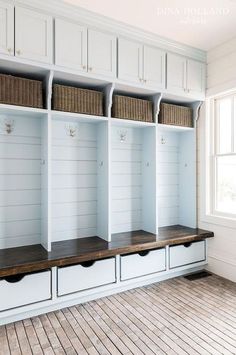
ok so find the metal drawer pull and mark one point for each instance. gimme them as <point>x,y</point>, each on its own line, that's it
<point>144,253</point>
<point>88,263</point>
<point>187,245</point>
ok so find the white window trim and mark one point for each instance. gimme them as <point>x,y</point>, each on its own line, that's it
<point>207,166</point>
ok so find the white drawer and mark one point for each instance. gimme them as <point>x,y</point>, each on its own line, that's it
<point>86,275</point>
<point>188,253</point>
<point>143,263</point>
<point>22,290</point>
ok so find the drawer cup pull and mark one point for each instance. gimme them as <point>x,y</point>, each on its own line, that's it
<point>144,253</point>
<point>187,245</point>
<point>88,263</point>
<point>13,279</point>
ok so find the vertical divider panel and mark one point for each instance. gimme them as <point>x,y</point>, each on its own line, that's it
<point>188,173</point>
<point>187,179</point>
<point>103,181</point>
<point>103,175</point>
<point>149,173</point>
<point>46,170</point>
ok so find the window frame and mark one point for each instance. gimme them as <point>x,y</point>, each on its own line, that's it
<point>214,153</point>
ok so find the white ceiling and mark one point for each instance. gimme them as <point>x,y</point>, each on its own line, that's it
<point>202,24</point>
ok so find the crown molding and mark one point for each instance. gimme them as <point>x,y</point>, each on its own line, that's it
<point>62,9</point>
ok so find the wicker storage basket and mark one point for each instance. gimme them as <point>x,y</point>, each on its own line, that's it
<point>21,91</point>
<point>72,99</point>
<point>175,115</point>
<point>132,108</point>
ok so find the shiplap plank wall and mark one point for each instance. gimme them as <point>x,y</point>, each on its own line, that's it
<point>20,183</point>
<point>126,179</point>
<point>74,181</point>
<point>221,73</point>
<point>221,76</point>
<point>168,178</point>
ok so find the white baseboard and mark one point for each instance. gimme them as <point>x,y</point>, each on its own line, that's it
<point>221,267</point>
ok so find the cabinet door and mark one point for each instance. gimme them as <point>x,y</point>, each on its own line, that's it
<point>6,28</point>
<point>176,74</point>
<point>154,67</point>
<point>33,35</point>
<point>196,78</point>
<point>70,45</point>
<point>130,61</point>
<point>101,53</point>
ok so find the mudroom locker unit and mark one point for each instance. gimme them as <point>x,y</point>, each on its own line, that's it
<point>93,204</point>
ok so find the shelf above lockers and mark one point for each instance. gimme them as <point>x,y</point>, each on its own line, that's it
<point>78,81</point>
<point>130,123</point>
<point>24,90</point>
<point>123,91</point>
<point>11,110</point>
<point>172,128</point>
<point>77,117</point>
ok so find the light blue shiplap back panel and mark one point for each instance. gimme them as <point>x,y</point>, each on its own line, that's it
<point>126,179</point>
<point>149,201</point>
<point>20,181</point>
<point>187,174</point>
<point>74,180</point>
<point>133,205</point>
<point>168,177</point>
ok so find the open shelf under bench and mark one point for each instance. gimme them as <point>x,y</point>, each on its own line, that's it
<point>34,258</point>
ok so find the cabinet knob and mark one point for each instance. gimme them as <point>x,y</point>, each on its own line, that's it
<point>141,80</point>
<point>90,68</point>
<point>18,52</point>
<point>84,67</point>
<point>9,50</point>
<point>145,80</point>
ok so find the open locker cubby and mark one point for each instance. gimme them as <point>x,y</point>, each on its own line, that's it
<point>176,176</point>
<point>79,179</point>
<point>133,176</point>
<point>23,179</point>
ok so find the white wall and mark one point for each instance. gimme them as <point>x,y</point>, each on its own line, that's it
<point>221,70</point>
<point>221,76</point>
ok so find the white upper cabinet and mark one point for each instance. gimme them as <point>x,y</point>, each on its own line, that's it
<point>85,50</point>
<point>6,28</point>
<point>141,64</point>
<point>176,73</point>
<point>196,80</point>
<point>33,35</point>
<point>70,45</point>
<point>130,60</point>
<point>154,67</point>
<point>185,76</point>
<point>101,53</point>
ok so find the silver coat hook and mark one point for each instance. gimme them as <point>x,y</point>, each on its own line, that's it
<point>7,125</point>
<point>71,130</point>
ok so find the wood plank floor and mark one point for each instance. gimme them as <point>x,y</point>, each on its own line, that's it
<point>177,316</point>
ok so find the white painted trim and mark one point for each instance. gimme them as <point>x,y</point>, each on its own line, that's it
<point>222,259</point>
<point>207,166</point>
<point>222,267</point>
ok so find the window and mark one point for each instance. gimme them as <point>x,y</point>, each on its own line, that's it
<point>223,189</point>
